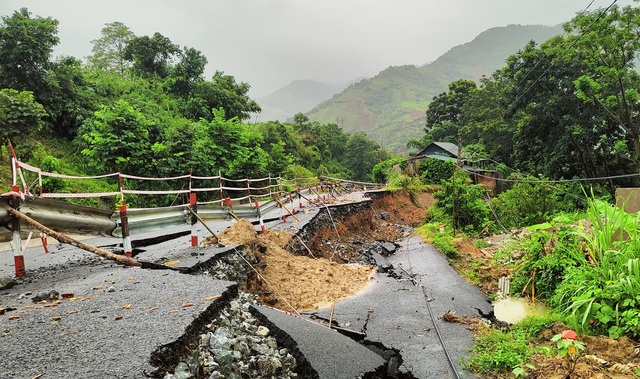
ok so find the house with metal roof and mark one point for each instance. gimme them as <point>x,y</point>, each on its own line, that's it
<point>481,171</point>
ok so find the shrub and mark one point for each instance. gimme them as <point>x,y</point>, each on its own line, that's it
<point>602,294</point>
<point>384,170</point>
<point>433,171</point>
<point>462,203</point>
<point>549,255</point>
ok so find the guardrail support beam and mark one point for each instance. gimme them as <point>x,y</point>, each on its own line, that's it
<point>16,240</point>
<point>124,225</point>
<point>193,203</point>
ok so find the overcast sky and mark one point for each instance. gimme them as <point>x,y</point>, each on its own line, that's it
<point>269,43</point>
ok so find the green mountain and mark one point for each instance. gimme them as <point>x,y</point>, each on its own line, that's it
<point>390,107</point>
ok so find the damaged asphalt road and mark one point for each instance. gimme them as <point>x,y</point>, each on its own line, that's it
<point>394,313</point>
<point>401,341</point>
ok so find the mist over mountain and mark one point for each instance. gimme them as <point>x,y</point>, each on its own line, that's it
<point>298,96</point>
<point>390,107</point>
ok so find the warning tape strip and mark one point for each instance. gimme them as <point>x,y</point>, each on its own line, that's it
<point>62,176</point>
<point>141,192</point>
<point>97,194</point>
<point>148,178</point>
<point>210,189</point>
<point>351,181</point>
<point>206,177</point>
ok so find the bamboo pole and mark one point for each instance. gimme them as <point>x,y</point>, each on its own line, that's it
<point>70,241</point>
<point>203,223</point>
<point>287,209</point>
<point>333,305</point>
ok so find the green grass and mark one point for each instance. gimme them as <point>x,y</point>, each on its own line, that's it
<point>499,352</point>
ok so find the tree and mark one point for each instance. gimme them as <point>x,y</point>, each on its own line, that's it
<point>609,45</point>
<point>109,50</point>
<point>361,155</point>
<point>26,45</point>
<point>222,92</point>
<point>151,56</point>
<point>119,138</point>
<point>188,72</point>
<point>445,115</point>
<point>20,114</point>
<point>70,99</point>
<point>447,106</point>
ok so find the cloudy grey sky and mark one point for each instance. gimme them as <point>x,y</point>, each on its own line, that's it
<point>269,43</point>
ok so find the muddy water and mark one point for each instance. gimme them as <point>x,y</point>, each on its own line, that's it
<point>513,310</point>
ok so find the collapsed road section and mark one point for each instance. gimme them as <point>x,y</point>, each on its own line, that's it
<point>170,324</point>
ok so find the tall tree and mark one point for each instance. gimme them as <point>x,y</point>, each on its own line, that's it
<point>70,99</point>
<point>187,72</point>
<point>222,92</point>
<point>151,56</point>
<point>26,45</point>
<point>108,50</point>
<point>445,114</point>
<point>608,43</point>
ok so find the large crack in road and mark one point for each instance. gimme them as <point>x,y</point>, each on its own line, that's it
<point>390,333</point>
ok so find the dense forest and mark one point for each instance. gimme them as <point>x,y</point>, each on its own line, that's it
<point>568,108</point>
<point>142,106</point>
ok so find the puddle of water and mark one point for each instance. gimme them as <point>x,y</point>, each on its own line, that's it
<point>513,310</point>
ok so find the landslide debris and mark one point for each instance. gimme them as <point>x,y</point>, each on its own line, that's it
<point>301,281</point>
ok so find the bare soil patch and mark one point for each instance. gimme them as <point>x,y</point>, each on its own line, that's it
<point>289,281</point>
<point>325,276</point>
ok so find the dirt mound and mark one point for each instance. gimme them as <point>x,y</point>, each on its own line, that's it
<point>404,209</point>
<point>241,233</point>
<point>302,282</point>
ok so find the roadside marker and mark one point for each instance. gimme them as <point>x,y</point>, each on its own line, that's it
<point>43,238</point>
<point>193,204</point>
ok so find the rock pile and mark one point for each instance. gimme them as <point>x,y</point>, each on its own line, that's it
<point>237,346</point>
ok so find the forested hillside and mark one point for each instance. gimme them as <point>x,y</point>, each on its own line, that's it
<point>566,108</point>
<point>142,106</point>
<point>391,106</point>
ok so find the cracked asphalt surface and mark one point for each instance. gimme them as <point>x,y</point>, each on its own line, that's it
<point>108,325</point>
<point>88,341</point>
<point>394,312</point>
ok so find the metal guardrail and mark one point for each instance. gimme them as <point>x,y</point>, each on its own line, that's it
<point>67,217</point>
<point>73,218</point>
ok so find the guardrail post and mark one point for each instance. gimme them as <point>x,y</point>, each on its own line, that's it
<point>260,216</point>
<point>282,215</point>
<point>293,207</point>
<point>124,225</point>
<point>43,239</point>
<point>193,203</point>
<point>227,205</point>
<point>16,240</point>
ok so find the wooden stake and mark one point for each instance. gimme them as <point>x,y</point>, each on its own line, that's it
<point>333,305</point>
<point>288,211</point>
<point>203,223</point>
<point>68,240</point>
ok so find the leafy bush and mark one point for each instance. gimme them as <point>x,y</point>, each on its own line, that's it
<point>384,170</point>
<point>529,203</point>
<point>462,203</point>
<point>547,257</point>
<point>499,351</point>
<point>602,294</point>
<point>433,171</point>
<point>444,241</point>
